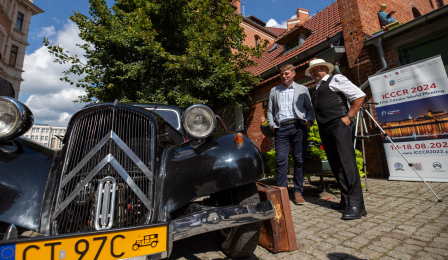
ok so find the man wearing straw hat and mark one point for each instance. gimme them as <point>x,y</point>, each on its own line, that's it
<point>336,125</point>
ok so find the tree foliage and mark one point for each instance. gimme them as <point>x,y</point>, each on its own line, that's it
<point>178,52</point>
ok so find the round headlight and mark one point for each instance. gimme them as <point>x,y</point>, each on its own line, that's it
<point>9,117</point>
<point>199,121</point>
<point>15,118</point>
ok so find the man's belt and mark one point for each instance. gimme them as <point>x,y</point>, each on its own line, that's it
<point>289,122</point>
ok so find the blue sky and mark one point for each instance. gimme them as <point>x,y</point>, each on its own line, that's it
<point>51,99</point>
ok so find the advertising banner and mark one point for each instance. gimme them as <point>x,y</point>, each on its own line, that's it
<point>413,111</point>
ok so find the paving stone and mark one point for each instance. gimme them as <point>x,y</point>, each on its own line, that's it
<point>361,240</point>
<point>358,256</point>
<point>415,242</point>
<point>438,251</point>
<point>299,255</point>
<point>438,245</point>
<point>396,235</point>
<point>428,256</point>
<point>422,238</point>
<point>372,253</point>
<point>391,241</point>
<point>352,244</point>
<point>343,249</point>
<point>387,258</point>
<point>378,248</point>
<point>441,240</point>
<point>399,255</point>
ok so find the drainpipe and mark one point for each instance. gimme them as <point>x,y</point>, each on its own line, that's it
<point>378,42</point>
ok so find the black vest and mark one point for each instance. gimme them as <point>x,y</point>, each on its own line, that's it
<point>328,104</point>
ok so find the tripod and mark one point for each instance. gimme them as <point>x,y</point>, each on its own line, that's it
<point>363,128</point>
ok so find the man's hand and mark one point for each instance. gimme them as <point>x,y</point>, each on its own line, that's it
<point>308,125</point>
<point>272,128</point>
<point>346,120</point>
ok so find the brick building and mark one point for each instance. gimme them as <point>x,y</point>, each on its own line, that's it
<point>15,19</point>
<point>342,34</point>
<point>255,29</point>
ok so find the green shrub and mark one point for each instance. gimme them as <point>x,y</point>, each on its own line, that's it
<point>315,152</point>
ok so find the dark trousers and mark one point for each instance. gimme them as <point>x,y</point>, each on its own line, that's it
<point>337,139</point>
<point>297,135</point>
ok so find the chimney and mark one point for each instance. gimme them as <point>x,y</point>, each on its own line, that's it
<point>237,4</point>
<point>302,16</point>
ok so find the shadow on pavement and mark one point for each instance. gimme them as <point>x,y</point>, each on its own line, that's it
<point>343,256</point>
<point>202,246</point>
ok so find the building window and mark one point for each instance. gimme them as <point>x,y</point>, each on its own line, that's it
<point>257,40</point>
<point>416,12</point>
<point>439,3</point>
<point>13,55</point>
<point>297,42</point>
<point>19,21</point>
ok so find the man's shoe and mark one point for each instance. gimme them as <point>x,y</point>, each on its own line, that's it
<point>339,206</point>
<point>354,213</point>
<point>298,198</point>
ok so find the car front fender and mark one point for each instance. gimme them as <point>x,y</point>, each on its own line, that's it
<point>216,165</point>
<point>24,169</point>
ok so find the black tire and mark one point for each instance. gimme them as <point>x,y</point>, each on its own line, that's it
<point>239,241</point>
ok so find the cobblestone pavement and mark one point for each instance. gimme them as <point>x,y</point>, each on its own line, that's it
<point>404,221</point>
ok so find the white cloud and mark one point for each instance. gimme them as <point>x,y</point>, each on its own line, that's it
<point>274,23</point>
<point>50,99</point>
<point>46,32</point>
<point>57,20</point>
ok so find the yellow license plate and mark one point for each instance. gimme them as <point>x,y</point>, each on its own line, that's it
<point>99,246</point>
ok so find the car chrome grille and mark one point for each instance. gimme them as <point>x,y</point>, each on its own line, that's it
<point>115,142</point>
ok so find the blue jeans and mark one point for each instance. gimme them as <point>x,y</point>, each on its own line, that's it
<point>297,135</point>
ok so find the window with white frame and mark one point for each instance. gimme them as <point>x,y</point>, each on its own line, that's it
<point>19,21</point>
<point>13,55</point>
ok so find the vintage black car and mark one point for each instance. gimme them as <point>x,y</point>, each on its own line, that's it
<point>129,180</point>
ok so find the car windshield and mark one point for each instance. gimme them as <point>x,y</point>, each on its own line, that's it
<point>169,115</point>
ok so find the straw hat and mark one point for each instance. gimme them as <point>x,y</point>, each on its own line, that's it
<point>319,62</point>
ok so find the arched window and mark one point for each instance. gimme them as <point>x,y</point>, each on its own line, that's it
<point>416,12</point>
<point>257,40</point>
<point>439,3</point>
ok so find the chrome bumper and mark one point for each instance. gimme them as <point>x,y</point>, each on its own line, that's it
<point>219,218</point>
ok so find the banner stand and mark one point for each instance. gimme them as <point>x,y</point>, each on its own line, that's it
<point>412,109</point>
<point>363,111</point>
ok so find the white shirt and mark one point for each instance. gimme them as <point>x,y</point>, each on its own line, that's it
<point>340,83</point>
<point>286,104</point>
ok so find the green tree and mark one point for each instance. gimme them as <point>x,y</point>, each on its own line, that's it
<point>179,52</point>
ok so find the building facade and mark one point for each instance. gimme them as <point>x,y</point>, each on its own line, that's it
<point>15,19</point>
<point>50,136</point>
<point>344,34</point>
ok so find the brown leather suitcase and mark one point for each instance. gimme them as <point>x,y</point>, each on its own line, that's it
<point>277,233</point>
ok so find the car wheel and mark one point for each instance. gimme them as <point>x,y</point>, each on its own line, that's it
<point>239,241</point>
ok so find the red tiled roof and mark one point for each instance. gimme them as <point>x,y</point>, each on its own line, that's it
<point>277,76</point>
<point>275,30</point>
<point>326,23</point>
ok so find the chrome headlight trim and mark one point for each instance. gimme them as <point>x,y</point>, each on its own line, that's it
<point>25,119</point>
<point>187,129</point>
